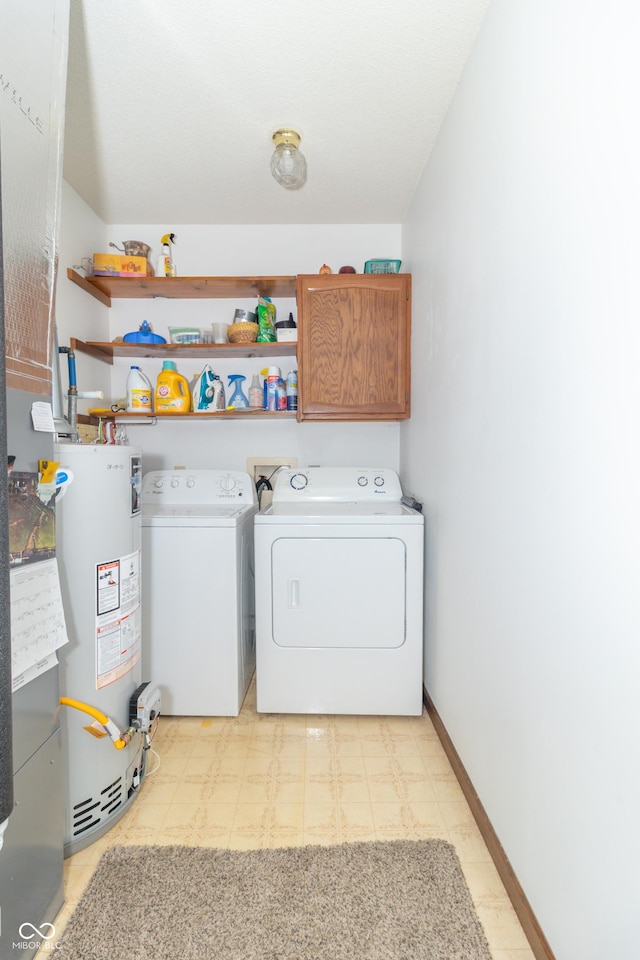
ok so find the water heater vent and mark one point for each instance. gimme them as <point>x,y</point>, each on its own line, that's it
<point>81,825</point>
<point>112,797</point>
<point>111,786</point>
<point>107,803</point>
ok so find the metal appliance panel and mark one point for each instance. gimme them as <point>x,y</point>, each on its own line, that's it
<point>198,589</point>
<point>339,595</point>
<point>32,852</point>
<point>336,592</point>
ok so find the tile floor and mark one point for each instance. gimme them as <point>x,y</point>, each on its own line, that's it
<point>262,780</point>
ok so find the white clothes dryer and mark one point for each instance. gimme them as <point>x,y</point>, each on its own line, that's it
<point>198,638</point>
<point>339,595</point>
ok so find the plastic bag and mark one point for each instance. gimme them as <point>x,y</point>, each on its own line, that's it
<point>266,311</point>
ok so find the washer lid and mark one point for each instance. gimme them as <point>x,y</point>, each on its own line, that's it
<point>194,515</point>
<point>310,512</point>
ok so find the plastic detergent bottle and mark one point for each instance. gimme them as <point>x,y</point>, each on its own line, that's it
<point>238,398</point>
<point>139,392</point>
<point>256,396</point>
<point>172,390</point>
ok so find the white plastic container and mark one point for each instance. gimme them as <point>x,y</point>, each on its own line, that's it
<point>139,392</point>
<point>256,393</point>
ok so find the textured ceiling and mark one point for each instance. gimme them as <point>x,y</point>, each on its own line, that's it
<point>171,105</point>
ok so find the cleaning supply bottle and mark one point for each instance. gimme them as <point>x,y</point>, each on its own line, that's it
<point>238,399</point>
<point>139,392</point>
<point>172,390</point>
<point>271,388</point>
<point>256,394</point>
<point>166,267</point>
<point>292,390</point>
<point>218,401</point>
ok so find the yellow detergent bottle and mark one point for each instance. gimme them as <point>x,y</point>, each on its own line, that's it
<point>172,390</point>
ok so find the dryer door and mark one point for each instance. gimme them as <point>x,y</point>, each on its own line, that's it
<point>339,592</point>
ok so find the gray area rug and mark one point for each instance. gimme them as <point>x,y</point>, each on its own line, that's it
<point>401,900</point>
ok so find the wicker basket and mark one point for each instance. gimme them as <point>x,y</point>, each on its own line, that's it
<point>243,332</point>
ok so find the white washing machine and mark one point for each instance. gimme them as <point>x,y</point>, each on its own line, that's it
<point>339,588</point>
<point>198,589</point>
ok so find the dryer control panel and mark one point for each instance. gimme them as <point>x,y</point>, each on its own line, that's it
<point>337,484</point>
<point>198,486</point>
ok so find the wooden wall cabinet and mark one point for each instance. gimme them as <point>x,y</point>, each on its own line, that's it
<point>354,337</point>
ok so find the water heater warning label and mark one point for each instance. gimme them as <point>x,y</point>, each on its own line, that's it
<point>108,587</point>
<point>118,621</point>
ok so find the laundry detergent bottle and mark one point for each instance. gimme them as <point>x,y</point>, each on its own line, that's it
<point>172,390</point>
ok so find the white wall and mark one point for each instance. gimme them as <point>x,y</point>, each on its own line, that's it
<point>524,443</point>
<point>78,314</point>
<point>217,251</point>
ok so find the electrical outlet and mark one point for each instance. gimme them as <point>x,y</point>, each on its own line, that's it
<point>268,466</point>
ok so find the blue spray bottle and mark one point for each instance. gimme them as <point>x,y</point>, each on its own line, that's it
<point>239,399</point>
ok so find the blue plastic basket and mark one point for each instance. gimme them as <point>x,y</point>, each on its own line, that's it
<point>382,266</point>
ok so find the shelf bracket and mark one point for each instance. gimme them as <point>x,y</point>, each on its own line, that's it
<point>132,421</point>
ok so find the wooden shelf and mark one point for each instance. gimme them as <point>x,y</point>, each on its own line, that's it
<point>105,352</point>
<point>106,289</point>
<point>179,351</point>
<point>246,414</point>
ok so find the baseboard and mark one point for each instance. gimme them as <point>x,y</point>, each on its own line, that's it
<point>532,930</point>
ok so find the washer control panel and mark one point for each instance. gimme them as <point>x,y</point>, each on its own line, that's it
<point>338,484</point>
<point>198,487</point>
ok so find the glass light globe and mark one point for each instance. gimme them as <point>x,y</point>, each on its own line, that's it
<point>288,165</point>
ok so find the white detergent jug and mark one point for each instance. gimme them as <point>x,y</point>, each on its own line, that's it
<point>139,392</point>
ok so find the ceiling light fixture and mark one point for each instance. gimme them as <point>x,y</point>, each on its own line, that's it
<point>288,165</point>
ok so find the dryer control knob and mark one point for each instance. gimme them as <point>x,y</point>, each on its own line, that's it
<point>191,482</point>
<point>379,481</point>
<point>158,483</point>
<point>175,483</point>
<point>299,481</point>
<point>362,481</point>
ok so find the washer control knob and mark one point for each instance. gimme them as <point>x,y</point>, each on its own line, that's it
<point>158,483</point>
<point>299,481</point>
<point>227,483</point>
<point>362,481</point>
<point>175,483</point>
<point>379,481</point>
<point>191,482</point>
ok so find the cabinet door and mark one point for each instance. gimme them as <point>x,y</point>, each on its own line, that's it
<point>354,346</point>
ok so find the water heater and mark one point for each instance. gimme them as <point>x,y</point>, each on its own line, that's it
<point>98,548</point>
